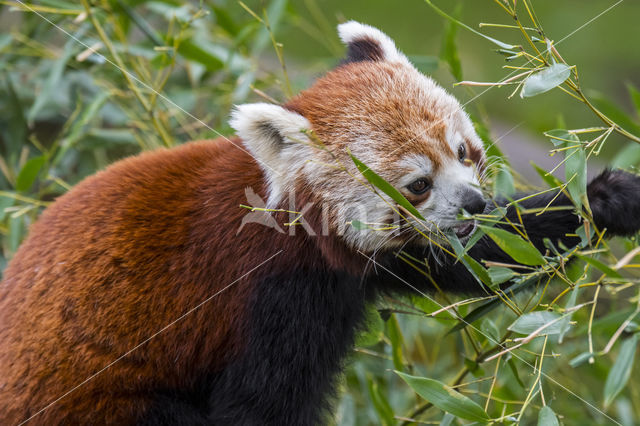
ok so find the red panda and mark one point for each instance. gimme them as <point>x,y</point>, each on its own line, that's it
<point>144,296</point>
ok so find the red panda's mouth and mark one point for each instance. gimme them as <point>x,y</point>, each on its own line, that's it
<point>465,229</point>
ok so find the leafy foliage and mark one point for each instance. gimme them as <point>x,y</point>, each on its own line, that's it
<point>85,84</point>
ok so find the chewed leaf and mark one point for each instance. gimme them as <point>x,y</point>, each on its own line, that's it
<point>545,80</point>
<point>445,398</point>
<point>384,186</point>
<point>528,323</point>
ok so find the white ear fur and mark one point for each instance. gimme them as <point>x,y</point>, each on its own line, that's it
<point>352,31</point>
<point>276,139</point>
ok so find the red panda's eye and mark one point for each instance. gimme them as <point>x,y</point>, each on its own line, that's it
<point>462,152</point>
<point>420,186</point>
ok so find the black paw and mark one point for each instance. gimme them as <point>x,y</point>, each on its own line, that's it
<point>614,196</point>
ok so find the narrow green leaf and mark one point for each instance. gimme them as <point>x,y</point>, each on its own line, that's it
<point>601,266</point>
<point>479,270</point>
<point>490,330</point>
<point>580,359</point>
<point>491,39</point>
<point>565,322</point>
<point>621,370</point>
<point>575,170</point>
<point>16,124</point>
<point>489,306</point>
<point>528,323</point>
<point>380,403</point>
<point>29,173</point>
<point>546,417</point>
<point>520,250</point>
<point>447,419</point>
<point>397,340</point>
<point>449,50</point>
<point>384,186</point>
<point>514,371</point>
<point>545,80</point>
<point>51,85</point>
<point>445,398</point>
<point>500,274</point>
<point>548,178</point>
<point>627,156</point>
<point>504,185</point>
<point>635,96</point>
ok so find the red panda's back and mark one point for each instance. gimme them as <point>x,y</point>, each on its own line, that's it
<point>114,261</point>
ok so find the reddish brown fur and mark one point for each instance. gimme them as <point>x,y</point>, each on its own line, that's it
<point>109,294</point>
<point>382,114</point>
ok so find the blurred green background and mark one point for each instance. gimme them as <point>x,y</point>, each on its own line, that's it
<point>66,113</point>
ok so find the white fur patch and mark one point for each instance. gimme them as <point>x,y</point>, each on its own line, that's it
<point>276,139</point>
<point>352,31</point>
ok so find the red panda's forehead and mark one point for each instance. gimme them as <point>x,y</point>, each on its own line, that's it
<point>390,107</point>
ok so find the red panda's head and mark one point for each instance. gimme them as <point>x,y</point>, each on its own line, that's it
<point>397,121</point>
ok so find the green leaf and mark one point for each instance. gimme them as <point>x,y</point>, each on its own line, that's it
<point>635,96</point>
<point>489,306</point>
<point>580,359</point>
<point>514,371</point>
<point>396,339</point>
<point>380,403</point>
<point>500,274</point>
<point>491,39</point>
<point>17,128</point>
<point>575,170</point>
<point>479,270</point>
<point>546,417</point>
<point>449,51</point>
<point>503,185</point>
<point>29,173</point>
<point>384,186</point>
<point>528,323</point>
<point>447,419</point>
<point>52,83</point>
<point>566,321</point>
<point>374,328</point>
<point>614,112</point>
<point>601,266</point>
<point>627,156</point>
<point>547,177</point>
<point>621,370</point>
<point>545,80</point>
<point>520,250</point>
<point>445,398</point>
<point>490,330</point>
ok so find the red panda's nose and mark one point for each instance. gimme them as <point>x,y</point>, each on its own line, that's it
<point>473,202</point>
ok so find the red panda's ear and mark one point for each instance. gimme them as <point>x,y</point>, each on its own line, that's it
<point>276,138</point>
<point>366,43</point>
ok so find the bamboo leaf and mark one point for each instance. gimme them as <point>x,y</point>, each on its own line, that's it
<point>528,323</point>
<point>545,80</point>
<point>380,403</point>
<point>520,250</point>
<point>445,398</point>
<point>546,417</point>
<point>384,186</point>
<point>621,371</point>
<point>29,173</point>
